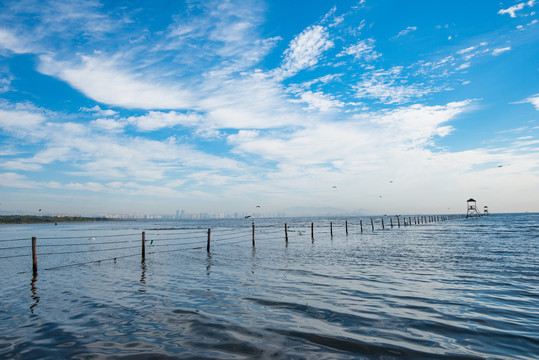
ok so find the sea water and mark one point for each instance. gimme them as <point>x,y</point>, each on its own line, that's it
<point>456,289</point>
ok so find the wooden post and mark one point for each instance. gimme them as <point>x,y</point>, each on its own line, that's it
<point>143,245</point>
<point>383,227</point>
<point>209,236</point>
<point>361,225</point>
<point>286,233</point>
<point>34,255</point>
<point>399,221</point>
<point>346,224</point>
<point>253,234</point>
<point>331,228</point>
<point>391,221</point>
<point>312,231</point>
<point>372,224</point>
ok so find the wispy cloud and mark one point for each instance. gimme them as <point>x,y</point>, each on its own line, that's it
<point>363,50</point>
<point>511,11</point>
<point>534,100</point>
<point>319,101</point>
<point>305,50</point>
<point>499,51</point>
<point>104,81</point>
<point>389,87</point>
<point>406,31</point>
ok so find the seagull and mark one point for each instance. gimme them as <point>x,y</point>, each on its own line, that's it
<point>334,187</point>
<point>248,216</point>
<point>258,206</point>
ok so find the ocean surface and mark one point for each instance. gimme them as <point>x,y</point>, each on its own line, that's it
<point>455,289</point>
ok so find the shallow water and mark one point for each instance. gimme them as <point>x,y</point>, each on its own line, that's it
<point>450,289</point>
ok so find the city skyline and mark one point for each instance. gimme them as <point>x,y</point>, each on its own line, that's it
<point>371,107</point>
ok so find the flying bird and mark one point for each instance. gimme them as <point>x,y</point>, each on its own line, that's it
<point>334,187</point>
<point>258,206</point>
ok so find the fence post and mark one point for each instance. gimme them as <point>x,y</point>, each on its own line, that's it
<point>361,225</point>
<point>391,221</point>
<point>346,224</point>
<point>34,255</point>
<point>383,227</point>
<point>372,224</point>
<point>253,234</point>
<point>209,236</point>
<point>331,228</point>
<point>399,221</point>
<point>312,231</point>
<point>143,245</point>
<point>286,233</point>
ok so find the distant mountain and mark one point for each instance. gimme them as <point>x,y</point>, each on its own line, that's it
<point>317,211</point>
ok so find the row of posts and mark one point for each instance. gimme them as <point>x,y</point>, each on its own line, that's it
<point>407,222</point>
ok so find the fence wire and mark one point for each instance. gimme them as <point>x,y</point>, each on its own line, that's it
<point>218,236</point>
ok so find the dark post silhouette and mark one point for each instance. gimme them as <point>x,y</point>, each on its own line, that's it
<point>209,236</point>
<point>34,255</point>
<point>143,245</point>
<point>286,233</point>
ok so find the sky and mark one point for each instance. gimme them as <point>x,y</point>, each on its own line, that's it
<point>371,107</point>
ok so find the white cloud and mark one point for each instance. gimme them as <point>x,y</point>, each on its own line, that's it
<point>18,181</point>
<point>155,120</point>
<point>319,101</point>
<point>17,121</point>
<point>463,66</point>
<point>408,30</point>
<point>97,110</point>
<point>499,51</point>
<point>388,88</point>
<point>305,50</point>
<point>11,42</point>
<point>109,124</point>
<point>466,50</point>
<point>534,100</point>
<point>362,50</point>
<point>513,9</point>
<point>373,135</point>
<point>103,81</point>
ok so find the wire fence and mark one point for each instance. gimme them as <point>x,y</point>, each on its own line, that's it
<point>166,240</point>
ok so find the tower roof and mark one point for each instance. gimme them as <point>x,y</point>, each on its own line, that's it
<point>470,199</point>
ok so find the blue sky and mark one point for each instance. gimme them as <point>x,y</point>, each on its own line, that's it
<point>220,106</point>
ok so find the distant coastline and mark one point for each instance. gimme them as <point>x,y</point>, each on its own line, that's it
<point>35,219</point>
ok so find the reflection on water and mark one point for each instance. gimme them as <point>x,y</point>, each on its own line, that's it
<point>33,288</point>
<point>452,290</point>
<point>143,274</point>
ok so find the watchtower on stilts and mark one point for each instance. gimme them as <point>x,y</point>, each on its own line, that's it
<point>471,209</point>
